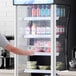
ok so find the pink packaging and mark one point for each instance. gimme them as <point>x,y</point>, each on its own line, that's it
<point>27,30</point>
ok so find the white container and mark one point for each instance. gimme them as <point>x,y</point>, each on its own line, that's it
<point>34,28</point>
<point>38,30</point>
<point>48,30</point>
<point>42,30</point>
<point>27,30</point>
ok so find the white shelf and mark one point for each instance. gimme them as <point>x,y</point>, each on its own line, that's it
<point>6,71</point>
<point>44,54</point>
<point>67,73</point>
<point>36,71</point>
<point>39,36</point>
<point>38,18</point>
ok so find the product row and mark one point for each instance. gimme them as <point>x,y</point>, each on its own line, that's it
<point>39,10</point>
<point>60,12</point>
<point>44,11</point>
<point>34,65</point>
<point>37,30</point>
<point>43,30</point>
<point>60,29</point>
<point>44,46</point>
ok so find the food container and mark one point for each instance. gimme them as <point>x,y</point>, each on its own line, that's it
<point>43,67</point>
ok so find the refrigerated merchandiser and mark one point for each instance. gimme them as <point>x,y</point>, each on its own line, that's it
<point>42,26</point>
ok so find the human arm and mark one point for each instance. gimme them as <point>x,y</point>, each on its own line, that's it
<point>18,51</point>
<point>6,45</point>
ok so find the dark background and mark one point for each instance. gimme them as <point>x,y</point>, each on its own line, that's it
<point>72,30</point>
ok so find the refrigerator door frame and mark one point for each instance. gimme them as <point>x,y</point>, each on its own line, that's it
<point>53,42</point>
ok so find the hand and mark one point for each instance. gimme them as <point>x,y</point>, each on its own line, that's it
<point>31,52</point>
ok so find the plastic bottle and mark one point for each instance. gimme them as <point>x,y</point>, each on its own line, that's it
<point>38,11</point>
<point>63,12</point>
<point>58,12</point>
<point>33,11</point>
<point>33,29</point>
<point>47,11</point>
<point>47,30</point>
<point>27,31</point>
<point>42,11</point>
<point>29,13</point>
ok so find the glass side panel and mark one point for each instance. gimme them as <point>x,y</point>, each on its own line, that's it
<point>62,30</point>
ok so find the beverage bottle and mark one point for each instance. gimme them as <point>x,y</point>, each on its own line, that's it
<point>47,30</point>
<point>27,31</point>
<point>63,29</point>
<point>59,29</point>
<point>42,12</point>
<point>47,11</point>
<point>58,12</point>
<point>49,50</point>
<point>38,11</point>
<point>29,13</point>
<point>63,12</point>
<point>33,29</point>
<point>33,11</point>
